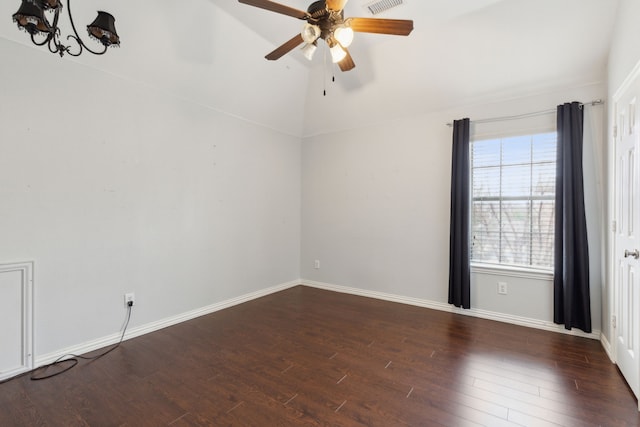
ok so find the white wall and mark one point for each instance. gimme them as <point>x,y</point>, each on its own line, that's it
<point>375,205</point>
<point>112,186</point>
<point>625,51</point>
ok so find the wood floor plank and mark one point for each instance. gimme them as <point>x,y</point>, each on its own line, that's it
<point>308,357</point>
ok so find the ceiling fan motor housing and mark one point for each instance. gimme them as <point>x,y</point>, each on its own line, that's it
<point>324,18</point>
<point>317,6</point>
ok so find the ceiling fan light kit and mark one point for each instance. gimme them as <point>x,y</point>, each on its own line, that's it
<point>309,49</point>
<point>337,53</point>
<point>310,33</point>
<point>325,20</point>
<point>32,18</point>
<point>343,35</point>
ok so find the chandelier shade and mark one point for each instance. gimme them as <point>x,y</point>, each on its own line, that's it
<point>50,4</point>
<point>30,17</point>
<point>103,29</point>
<point>40,18</point>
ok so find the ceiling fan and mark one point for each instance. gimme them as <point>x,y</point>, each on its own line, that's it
<point>326,21</point>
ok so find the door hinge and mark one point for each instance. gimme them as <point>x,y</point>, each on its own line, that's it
<point>614,323</point>
<point>614,226</point>
<point>615,131</point>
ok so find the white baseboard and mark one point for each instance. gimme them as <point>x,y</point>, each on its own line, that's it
<point>607,347</point>
<point>435,305</point>
<point>160,324</point>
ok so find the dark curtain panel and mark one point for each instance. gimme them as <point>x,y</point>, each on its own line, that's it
<point>571,305</point>
<point>459,260</point>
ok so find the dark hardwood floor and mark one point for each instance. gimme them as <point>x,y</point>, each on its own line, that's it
<point>311,357</point>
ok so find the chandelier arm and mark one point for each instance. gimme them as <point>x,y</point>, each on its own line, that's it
<point>43,42</point>
<point>53,37</point>
<point>77,36</point>
<point>78,42</point>
<point>58,47</point>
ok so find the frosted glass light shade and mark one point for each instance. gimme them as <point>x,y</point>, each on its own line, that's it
<point>310,33</point>
<point>308,50</point>
<point>337,53</point>
<point>344,35</point>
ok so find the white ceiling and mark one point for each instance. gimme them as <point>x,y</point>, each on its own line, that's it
<point>460,52</point>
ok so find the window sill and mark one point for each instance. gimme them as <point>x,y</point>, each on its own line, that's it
<point>511,271</point>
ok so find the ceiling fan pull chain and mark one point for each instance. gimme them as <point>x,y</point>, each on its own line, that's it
<point>324,72</point>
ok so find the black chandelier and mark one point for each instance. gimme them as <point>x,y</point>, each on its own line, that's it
<point>31,17</point>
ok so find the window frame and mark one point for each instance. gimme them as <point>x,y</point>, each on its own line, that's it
<point>499,268</point>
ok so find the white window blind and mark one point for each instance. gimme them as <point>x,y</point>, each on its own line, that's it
<point>513,199</point>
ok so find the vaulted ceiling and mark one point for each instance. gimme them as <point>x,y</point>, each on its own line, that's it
<point>460,52</point>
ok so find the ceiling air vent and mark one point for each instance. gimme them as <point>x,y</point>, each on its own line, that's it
<point>382,5</point>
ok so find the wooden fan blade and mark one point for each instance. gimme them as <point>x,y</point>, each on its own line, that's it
<point>398,27</point>
<point>336,5</point>
<point>285,48</point>
<point>277,7</point>
<point>347,62</point>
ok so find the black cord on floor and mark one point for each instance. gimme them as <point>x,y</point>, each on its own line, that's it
<point>37,374</point>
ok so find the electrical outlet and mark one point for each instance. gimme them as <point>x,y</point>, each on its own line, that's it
<point>502,288</point>
<point>129,298</point>
<point>316,264</point>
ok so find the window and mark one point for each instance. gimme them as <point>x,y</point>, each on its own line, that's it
<point>513,199</point>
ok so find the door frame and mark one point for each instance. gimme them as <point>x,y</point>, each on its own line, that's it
<point>25,269</point>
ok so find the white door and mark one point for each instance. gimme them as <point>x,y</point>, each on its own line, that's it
<point>627,229</point>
